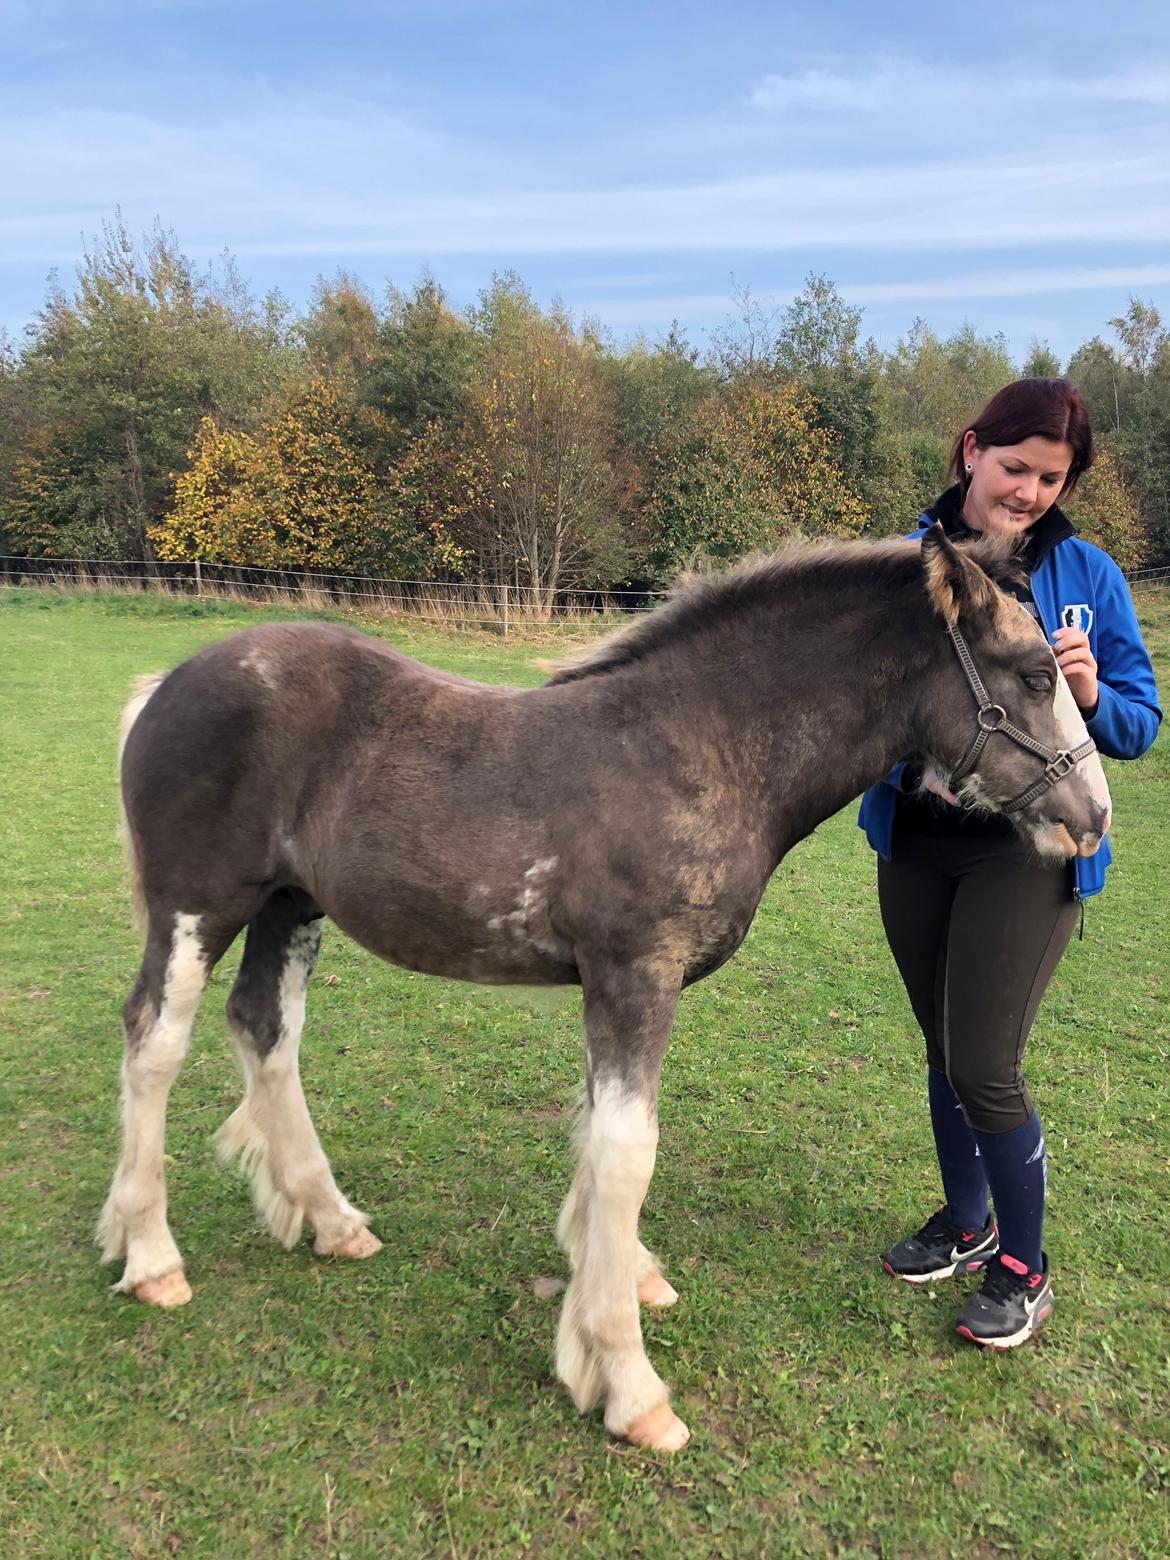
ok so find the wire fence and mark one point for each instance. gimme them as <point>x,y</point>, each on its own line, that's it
<point>455,604</point>
<point>1148,579</point>
<point>461,604</point>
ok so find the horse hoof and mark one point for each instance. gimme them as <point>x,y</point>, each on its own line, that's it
<point>170,1290</point>
<point>661,1428</point>
<point>654,1290</point>
<point>359,1246</point>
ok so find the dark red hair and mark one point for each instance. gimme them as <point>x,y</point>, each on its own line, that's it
<point>1032,408</point>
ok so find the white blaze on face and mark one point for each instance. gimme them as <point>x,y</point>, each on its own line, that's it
<point>1051,838</point>
<point>1072,732</point>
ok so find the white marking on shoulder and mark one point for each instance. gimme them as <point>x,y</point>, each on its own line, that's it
<point>528,922</point>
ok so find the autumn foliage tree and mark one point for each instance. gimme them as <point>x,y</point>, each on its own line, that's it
<point>436,484</point>
<point>297,495</point>
<point>112,384</point>
<point>423,363</point>
<point>1126,386</point>
<point>753,471</point>
<point>339,332</point>
<point>818,348</point>
<point>931,386</point>
<point>1105,510</point>
<point>544,430</point>
<point>522,483</point>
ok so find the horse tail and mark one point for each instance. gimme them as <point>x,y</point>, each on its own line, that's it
<point>140,691</point>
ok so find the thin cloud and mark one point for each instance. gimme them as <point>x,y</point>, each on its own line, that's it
<point>907,86</point>
<point>1022,283</point>
<point>836,91</point>
<point>1118,201</point>
<point>1013,284</point>
<point>329,180</point>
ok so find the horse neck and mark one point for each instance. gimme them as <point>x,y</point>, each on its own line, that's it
<point>816,694</point>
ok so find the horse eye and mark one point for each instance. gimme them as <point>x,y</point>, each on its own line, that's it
<point>1040,681</point>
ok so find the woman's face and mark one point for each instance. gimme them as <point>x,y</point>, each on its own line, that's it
<point>1013,484</point>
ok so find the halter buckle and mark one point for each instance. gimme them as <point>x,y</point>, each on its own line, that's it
<point>1059,767</point>
<point>991,717</point>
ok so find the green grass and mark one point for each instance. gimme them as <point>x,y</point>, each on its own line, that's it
<point>406,1406</point>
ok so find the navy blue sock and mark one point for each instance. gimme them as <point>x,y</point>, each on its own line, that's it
<point>960,1166</point>
<point>1018,1173</point>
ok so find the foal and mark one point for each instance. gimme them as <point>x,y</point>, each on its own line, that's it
<point>615,828</point>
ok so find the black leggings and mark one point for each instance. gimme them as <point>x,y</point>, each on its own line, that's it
<point>976,928</point>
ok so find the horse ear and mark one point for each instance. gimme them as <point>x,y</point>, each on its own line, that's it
<point>956,586</point>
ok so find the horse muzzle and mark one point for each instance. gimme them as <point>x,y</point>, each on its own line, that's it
<point>1070,824</point>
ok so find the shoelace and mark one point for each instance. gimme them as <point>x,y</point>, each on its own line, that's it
<point>1000,1283</point>
<point>939,1223</point>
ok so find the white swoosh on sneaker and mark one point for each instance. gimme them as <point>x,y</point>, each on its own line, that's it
<point>1030,1305</point>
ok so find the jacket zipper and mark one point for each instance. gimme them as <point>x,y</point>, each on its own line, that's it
<point>1076,893</point>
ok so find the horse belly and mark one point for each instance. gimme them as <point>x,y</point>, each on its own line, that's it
<point>465,930</point>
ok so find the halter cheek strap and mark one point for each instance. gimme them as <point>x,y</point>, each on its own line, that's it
<point>991,718</point>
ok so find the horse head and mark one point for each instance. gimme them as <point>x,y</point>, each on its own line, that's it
<point>1005,731</point>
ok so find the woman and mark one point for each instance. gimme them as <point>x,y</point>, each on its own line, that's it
<point>976,925</point>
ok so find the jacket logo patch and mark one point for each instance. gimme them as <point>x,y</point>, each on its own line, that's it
<point>1077,615</point>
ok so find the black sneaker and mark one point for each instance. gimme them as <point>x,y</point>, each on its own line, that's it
<point>942,1247</point>
<point>1011,1306</point>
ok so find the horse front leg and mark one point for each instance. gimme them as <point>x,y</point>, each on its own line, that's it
<point>629,1009</point>
<point>654,1288</point>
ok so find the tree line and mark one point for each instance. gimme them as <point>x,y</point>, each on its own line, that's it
<point>157,411</point>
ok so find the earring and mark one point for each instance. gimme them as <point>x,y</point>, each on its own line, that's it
<point>970,467</point>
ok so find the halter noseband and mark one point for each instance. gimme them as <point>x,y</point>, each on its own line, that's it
<point>993,717</point>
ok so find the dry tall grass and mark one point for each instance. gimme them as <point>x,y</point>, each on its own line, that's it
<point>447,605</point>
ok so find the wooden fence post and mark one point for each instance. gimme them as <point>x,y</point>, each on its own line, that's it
<point>198,579</point>
<point>504,609</point>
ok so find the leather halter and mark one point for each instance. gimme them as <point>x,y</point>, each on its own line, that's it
<point>991,718</point>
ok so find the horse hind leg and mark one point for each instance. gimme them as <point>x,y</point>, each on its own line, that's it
<point>271,1131</point>
<point>158,1017</point>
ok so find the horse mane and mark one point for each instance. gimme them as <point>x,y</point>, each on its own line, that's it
<point>699,602</point>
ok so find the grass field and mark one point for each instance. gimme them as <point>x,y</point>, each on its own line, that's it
<point>406,1406</point>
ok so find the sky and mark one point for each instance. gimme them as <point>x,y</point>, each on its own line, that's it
<point>1002,165</point>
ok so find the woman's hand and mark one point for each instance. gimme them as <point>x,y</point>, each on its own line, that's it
<point>1075,660</point>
